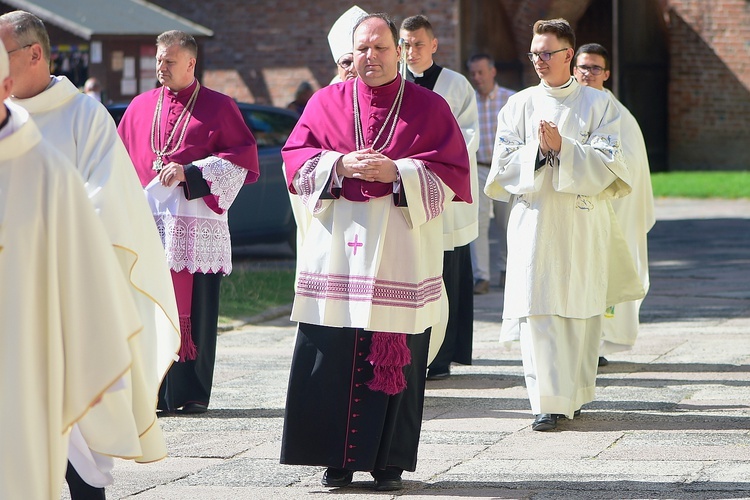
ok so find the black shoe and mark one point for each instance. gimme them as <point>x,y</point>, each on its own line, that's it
<point>336,478</point>
<point>438,373</point>
<point>544,422</point>
<point>388,479</point>
<point>194,408</point>
<point>576,414</point>
<point>603,361</point>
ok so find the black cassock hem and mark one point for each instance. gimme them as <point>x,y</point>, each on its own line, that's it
<point>333,419</point>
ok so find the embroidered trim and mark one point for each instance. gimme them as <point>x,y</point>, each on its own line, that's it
<point>508,146</point>
<point>197,244</point>
<point>433,194</point>
<point>306,182</point>
<point>367,289</point>
<point>224,177</point>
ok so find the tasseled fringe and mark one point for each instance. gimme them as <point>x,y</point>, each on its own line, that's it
<point>388,355</point>
<point>188,350</point>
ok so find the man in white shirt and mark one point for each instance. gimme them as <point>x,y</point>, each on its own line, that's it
<point>490,99</point>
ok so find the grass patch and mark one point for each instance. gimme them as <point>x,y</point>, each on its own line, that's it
<point>247,292</point>
<point>250,291</point>
<point>698,184</point>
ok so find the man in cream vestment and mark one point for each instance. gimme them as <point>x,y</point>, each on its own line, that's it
<point>82,130</point>
<point>66,313</point>
<point>635,212</point>
<point>557,150</point>
<point>451,339</point>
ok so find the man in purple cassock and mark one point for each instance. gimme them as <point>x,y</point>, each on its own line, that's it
<point>374,160</point>
<point>192,152</point>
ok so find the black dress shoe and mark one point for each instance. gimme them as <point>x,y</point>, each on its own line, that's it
<point>438,373</point>
<point>388,479</point>
<point>544,422</point>
<point>336,478</point>
<point>603,361</point>
<point>194,408</point>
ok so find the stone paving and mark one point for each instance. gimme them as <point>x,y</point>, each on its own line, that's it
<point>671,418</point>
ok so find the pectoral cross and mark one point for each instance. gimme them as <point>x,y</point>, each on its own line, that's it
<point>158,164</point>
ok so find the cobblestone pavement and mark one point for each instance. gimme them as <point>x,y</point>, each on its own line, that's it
<point>671,418</point>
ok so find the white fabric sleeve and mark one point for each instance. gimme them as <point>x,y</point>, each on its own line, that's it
<point>224,177</point>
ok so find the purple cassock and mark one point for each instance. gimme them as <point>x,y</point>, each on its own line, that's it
<point>334,416</point>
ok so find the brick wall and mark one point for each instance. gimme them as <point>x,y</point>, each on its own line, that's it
<point>263,49</point>
<point>709,84</point>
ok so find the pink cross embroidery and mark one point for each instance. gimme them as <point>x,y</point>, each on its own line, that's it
<point>356,244</point>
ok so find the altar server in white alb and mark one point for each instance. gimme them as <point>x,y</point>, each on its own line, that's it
<point>84,133</point>
<point>635,212</point>
<point>558,152</point>
<point>460,226</point>
<point>66,313</point>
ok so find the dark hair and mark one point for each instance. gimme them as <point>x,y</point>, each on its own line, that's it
<point>176,37</point>
<point>417,22</point>
<point>481,57</point>
<point>27,29</point>
<point>383,17</point>
<point>594,48</point>
<point>558,27</point>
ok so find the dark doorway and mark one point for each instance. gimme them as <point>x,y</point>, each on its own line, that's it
<point>635,33</point>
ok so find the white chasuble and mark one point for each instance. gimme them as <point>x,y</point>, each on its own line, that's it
<point>84,132</point>
<point>371,265</point>
<point>66,311</point>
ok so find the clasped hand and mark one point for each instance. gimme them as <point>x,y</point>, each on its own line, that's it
<point>549,137</point>
<point>368,165</point>
<point>170,173</point>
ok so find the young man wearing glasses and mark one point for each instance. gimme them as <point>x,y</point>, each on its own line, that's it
<point>558,154</point>
<point>635,213</point>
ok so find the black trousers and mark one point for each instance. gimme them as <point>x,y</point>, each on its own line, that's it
<point>80,489</point>
<point>459,286</point>
<point>190,381</point>
<point>333,419</point>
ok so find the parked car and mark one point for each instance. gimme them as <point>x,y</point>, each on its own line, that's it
<point>261,213</point>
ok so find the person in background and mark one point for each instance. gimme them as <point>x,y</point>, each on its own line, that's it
<point>635,212</point>
<point>558,154</point>
<point>303,94</point>
<point>192,152</point>
<point>82,130</point>
<point>490,99</point>
<point>340,42</point>
<point>374,172</point>
<point>93,88</point>
<point>459,219</point>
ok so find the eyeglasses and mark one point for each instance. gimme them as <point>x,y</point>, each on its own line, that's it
<point>544,56</point>
<point>594,70</point>
<point>345,63</point>
<point>20,48</point>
